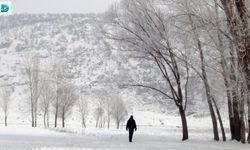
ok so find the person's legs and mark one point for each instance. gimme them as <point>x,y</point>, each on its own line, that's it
<point>131,135</point>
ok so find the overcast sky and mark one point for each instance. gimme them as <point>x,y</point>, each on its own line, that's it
<point>59,6</point>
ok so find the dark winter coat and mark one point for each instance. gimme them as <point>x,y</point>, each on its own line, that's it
<point>131,125</point>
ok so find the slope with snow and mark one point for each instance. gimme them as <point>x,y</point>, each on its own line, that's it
<point>146,138</point>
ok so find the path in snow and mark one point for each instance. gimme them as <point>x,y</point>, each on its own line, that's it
<point>41,139</point>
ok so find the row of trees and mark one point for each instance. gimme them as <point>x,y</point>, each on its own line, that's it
<point>182,37</point>
<point>49,86</point>
<point>50,90</point>
<point>108,107</point>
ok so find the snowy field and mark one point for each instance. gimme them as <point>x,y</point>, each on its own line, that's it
<point>146,138</point>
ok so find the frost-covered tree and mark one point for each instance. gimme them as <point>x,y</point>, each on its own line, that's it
<point>31,74</point>
<point>144,29</point>
<point>119,111</point>
<point>83,109</point>
<point>222,29</point>
<point>57,78</point>
<point>98,114</point>
<point>47,97</point>
<point>67,99</point>
<point>238,20</point>
<point>5,102</point>
<point>105,102</point>
<point>108,108</point>
<point>194,31</point>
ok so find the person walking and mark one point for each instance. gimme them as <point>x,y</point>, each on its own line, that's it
<point>131,127</point>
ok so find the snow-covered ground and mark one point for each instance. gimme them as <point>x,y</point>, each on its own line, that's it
<point>146,138</point>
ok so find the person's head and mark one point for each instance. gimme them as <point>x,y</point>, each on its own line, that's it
<point>131,116</point>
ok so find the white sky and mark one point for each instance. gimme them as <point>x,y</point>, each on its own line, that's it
<point>60,6</point>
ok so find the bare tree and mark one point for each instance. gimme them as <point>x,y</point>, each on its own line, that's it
<point>31,73</point>
<point>119,111</point>
<point>237,16</point>
<point>108,106</point>
<point>105,102</point>
<point>187,8</point>
<point>98,114</point>
<point>143,26</point>
<point>67,99</point>
<point>57,75</point>
<point>47,97</point>
<point>100,110</point>
<point>5,102</point>
<point>83,109</point>
<point>225,66</point>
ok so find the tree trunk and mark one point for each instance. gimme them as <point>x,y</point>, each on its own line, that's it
<point>236,115</point>
<point>56,114</point>
<point>35,113</point>
<point>224,67</point>
<point>242,130</point>
<point>242,120</point>
<point>244,53</point>
<point>248,104</point>
<point>108,121</point>
<point>63,118</point>
<point>214,122</point>
<point>101,122</point>
<point>184,124</point>
<point>233,81</point>
<point>48,119</point>
<point>32,115</point>
<point>96,125</point>
<point>117,124</point>
<point>5,120</point>
<point>63,123</point>
<point>230,110</point>
<point>44,119</point>
<point>83,123</point>
<point>220,120</point>
<point>205,80</point>
<point>57,105</point>
<point>240,30</point>
<point>208,93</point>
